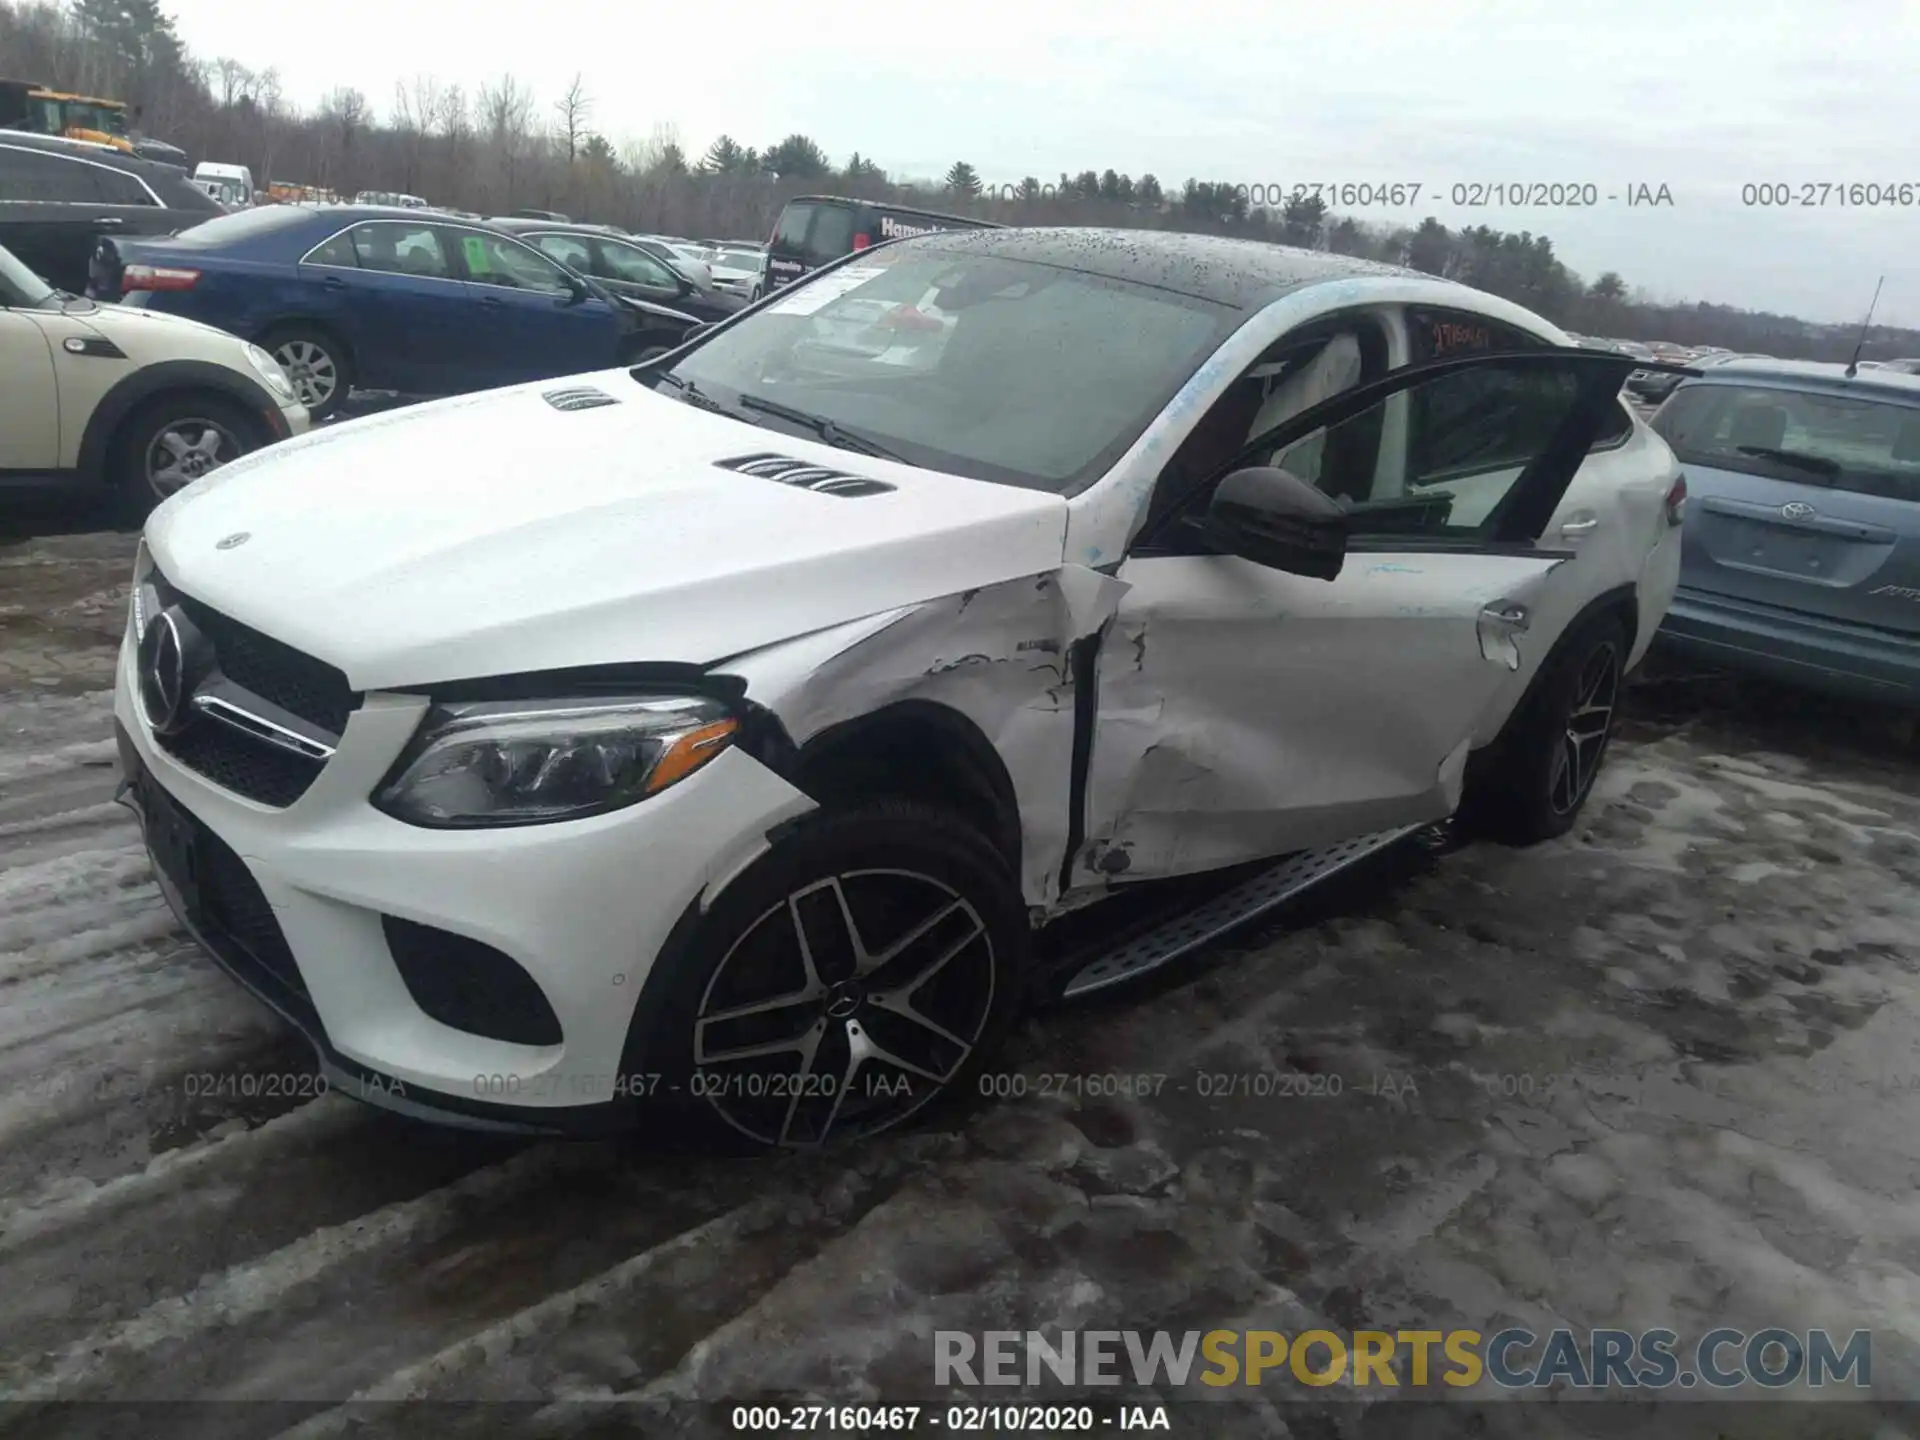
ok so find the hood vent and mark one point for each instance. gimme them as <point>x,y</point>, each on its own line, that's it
<point>578,397</point>
<point>804,476</point>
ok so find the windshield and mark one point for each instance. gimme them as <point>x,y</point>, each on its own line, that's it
<point>19,285</point>
<point>1002,370</point>
<point>1843,442</point>
<point>107,119</point>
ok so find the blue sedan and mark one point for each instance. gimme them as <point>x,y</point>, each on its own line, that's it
<point>386,299</point>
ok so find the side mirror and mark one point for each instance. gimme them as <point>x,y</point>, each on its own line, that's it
<point>1274,518</point>
<point>694,332</point>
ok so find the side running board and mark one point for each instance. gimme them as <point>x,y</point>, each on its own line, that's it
<point>1207,922</point>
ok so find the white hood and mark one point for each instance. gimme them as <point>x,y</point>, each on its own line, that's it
<point>494,534</point>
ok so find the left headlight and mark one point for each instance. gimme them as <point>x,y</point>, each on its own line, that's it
<point>515,762</point>
<point>270,371</point>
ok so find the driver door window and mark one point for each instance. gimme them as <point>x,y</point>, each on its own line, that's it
<point>633,265</point>
<point>496,260</point>
<point>1302,370</point>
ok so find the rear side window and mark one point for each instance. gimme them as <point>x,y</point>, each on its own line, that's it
<point>335,250</point>
<point>791,234</point>
<point>53,179</point>
<point>119,188</point>
<point>832,234</point>
<point>1857,443</point>
<point>1441,334</point>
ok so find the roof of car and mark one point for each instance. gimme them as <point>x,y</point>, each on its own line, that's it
<point>1814,374</point>
<point>558,227</point>
<point>90,150</point>
<point>898,208</point>
<point>1243,274</point>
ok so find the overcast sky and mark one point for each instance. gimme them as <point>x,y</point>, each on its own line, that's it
<point>1702,97</point>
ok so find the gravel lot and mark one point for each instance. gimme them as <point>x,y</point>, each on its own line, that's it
<point>1661,1073</point>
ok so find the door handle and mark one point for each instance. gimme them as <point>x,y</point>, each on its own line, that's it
<point>492,302</point>
<point>1585,525</point>
<point>1499,623</point>
<point>108,222</point>
<point>334,282</point>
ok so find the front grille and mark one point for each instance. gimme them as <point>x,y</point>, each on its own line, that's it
<point>469,985</point>
<point>236,761</point>
<point>309,688</point>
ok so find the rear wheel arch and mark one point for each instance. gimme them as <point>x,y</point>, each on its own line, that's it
<point>918,750</point>
<point>1622,602</point>
<point>1501,796</point>
<point>286,326</point>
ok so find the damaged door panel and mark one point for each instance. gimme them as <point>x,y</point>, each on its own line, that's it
<point>1244,710</point>
<point>998,656</point>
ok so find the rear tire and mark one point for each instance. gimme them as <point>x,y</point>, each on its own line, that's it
<point>316,363</point>
<point>1531,783</point>
<point>168,444</point>
<point>857,1040</point>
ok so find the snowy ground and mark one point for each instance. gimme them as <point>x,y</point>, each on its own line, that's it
<point>1660,1074</point>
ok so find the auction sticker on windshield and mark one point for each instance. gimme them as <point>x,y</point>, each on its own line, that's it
<point>816,294</point>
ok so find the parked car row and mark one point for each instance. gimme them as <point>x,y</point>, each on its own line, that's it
<point>388,299</point>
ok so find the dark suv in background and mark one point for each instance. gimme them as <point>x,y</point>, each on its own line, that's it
<point>60,198</point>
<point>816,229</point>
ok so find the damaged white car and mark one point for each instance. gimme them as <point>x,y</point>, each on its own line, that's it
<point>723,739</point>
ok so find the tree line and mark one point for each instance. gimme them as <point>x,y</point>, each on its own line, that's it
<point>498,148</point>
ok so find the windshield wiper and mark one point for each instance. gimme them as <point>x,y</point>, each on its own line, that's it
<point>827,429</point>
<point>694,395</point>
<point>1818,464</point>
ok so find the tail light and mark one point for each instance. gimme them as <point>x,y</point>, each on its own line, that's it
<point>861,242</point>
<point>157,277</point>
<point>1677,501</point>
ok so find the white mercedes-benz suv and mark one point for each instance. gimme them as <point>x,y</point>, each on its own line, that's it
<point>719,740</point>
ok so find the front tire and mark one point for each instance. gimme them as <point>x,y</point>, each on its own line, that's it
<point>1531,784</point>
<point>864,969</point>
<point>316,363</point>
<point>166,446</point>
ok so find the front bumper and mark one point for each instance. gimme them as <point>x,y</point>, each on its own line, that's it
<point>1812,652</point>
<point>584,907</point>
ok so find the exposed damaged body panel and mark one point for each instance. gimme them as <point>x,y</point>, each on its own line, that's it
<point>997,656</point>
<point>1244,712</point>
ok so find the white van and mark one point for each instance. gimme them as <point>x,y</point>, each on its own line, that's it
<point>231,185</point>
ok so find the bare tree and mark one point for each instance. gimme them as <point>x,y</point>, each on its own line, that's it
<point>506,115</point>
<point>234,80</point>
<point>574,108</point>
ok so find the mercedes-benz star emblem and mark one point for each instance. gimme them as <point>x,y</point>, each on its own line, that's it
<point>163,672</point>
<point>239,537</point>
<point>1796,510</point>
